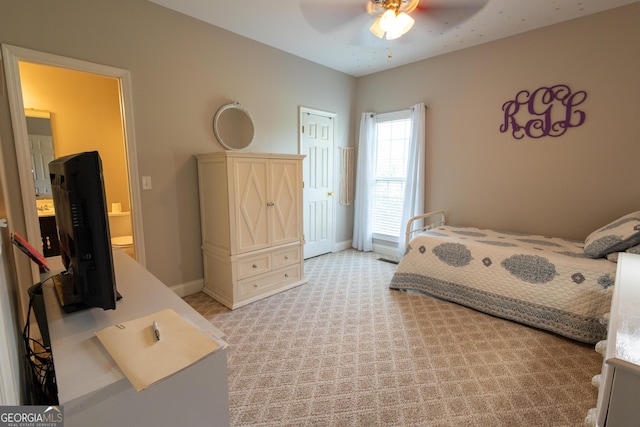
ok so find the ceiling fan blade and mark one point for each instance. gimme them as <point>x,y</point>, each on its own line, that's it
<point>439,16</point>
<point>426,5</point>
<point>350,19</point>
<point>409,6</point>
<point>327,17</point>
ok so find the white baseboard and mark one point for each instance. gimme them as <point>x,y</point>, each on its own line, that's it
<point>390,251</point>
<point>184,289</point>
<point>341,246</point>
<point>379,248</point>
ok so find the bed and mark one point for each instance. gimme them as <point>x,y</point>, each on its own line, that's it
<point>559,285</point>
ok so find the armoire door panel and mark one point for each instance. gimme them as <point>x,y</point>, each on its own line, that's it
<point>251,193</point>
<point>286,201</point>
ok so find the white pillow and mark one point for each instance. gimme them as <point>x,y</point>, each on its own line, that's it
<point>617,236</point>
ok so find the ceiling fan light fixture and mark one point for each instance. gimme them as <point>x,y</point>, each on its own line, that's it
<point>393,22</point>
<point>388,20</point>
<point>376,29</point>
<point>404,22</point>
<point>393,35</point>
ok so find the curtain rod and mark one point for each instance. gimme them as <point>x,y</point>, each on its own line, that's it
<point>426,107</point>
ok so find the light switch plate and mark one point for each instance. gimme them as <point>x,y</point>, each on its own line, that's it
<point>146,183</point>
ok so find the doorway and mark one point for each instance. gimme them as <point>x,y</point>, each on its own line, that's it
<point>317,144</point>
<point>13,56</point>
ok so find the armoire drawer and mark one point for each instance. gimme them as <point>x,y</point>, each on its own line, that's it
<point>253,265</point>
<point>286,256</point>
<point>267,282</point>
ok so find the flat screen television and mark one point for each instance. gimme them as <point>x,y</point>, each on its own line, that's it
<point>77,186</point>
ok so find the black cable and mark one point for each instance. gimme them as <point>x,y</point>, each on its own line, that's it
<point>39,368</point>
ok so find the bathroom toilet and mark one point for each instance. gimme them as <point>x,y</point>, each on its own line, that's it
<point>121,232</point>
<point>125,243</point>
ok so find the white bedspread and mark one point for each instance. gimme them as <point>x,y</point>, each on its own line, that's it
<point>544,282</point>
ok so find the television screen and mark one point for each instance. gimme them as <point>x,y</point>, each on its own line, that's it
<point>79,200</point>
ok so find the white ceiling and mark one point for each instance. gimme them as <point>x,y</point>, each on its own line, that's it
<point>335,33</point>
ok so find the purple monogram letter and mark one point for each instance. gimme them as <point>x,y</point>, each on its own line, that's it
<point>547,111</point>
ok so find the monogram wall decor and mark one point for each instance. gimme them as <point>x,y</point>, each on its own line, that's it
<point>547,111</point>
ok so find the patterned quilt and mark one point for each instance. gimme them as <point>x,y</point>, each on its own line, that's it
<point>545,282</point>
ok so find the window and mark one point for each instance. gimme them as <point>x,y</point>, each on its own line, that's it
<point>390,172</point>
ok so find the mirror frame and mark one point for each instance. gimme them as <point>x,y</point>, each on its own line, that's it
<point>216,123</point>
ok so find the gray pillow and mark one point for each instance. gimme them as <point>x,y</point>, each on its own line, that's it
<point>617,236</point>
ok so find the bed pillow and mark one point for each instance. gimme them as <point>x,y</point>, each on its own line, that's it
<point>617,236</point>
<point>613,256</point>
<point>634,250</point>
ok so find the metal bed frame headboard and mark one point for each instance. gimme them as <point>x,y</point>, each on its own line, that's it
<point>439,217</point>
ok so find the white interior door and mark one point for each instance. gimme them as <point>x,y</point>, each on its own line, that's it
<point>317,143</point>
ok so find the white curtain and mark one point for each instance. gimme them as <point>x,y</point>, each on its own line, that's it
<point>362,234</point>
<point>414,186</point>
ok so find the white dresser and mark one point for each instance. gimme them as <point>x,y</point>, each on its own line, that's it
<point>95,392</point>
<point>251,219</point>
<point>619,382</point>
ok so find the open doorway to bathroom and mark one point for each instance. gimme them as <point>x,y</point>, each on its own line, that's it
<point>84,114</point>
<point>89,108</point>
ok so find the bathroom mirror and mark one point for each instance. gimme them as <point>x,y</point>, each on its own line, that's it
<point>41,147</point>
<point>234,127</point>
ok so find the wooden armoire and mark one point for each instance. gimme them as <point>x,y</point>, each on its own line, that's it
<point>251,219</point>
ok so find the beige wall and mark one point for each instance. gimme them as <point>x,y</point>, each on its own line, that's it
<point>565,186</point>
<point>182,71</point>
<point>85,116</point>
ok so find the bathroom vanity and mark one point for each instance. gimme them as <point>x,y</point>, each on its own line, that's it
<point>48,229</point>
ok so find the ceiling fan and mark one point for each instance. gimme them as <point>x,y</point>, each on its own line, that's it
<point>389,19</point>
<point>393,17</point>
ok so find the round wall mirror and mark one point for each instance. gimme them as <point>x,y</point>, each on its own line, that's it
<point>234,127</point>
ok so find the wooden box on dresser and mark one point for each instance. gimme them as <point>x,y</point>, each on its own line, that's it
<point>251,219</point>
<point>619,382</point>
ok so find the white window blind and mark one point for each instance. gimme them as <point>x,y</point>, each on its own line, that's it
<point>390,171</point>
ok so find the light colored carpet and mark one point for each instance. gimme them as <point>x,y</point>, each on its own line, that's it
<point>345,350</point>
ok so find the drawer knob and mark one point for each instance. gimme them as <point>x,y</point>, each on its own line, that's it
<point>595,381</point>
<point>255,285</point>
<point>270,204</point>
<point>254,266</point>
<point>286,274</point>
<point>592,417</point>
<point>286,257</point>
<point>604,320</point>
